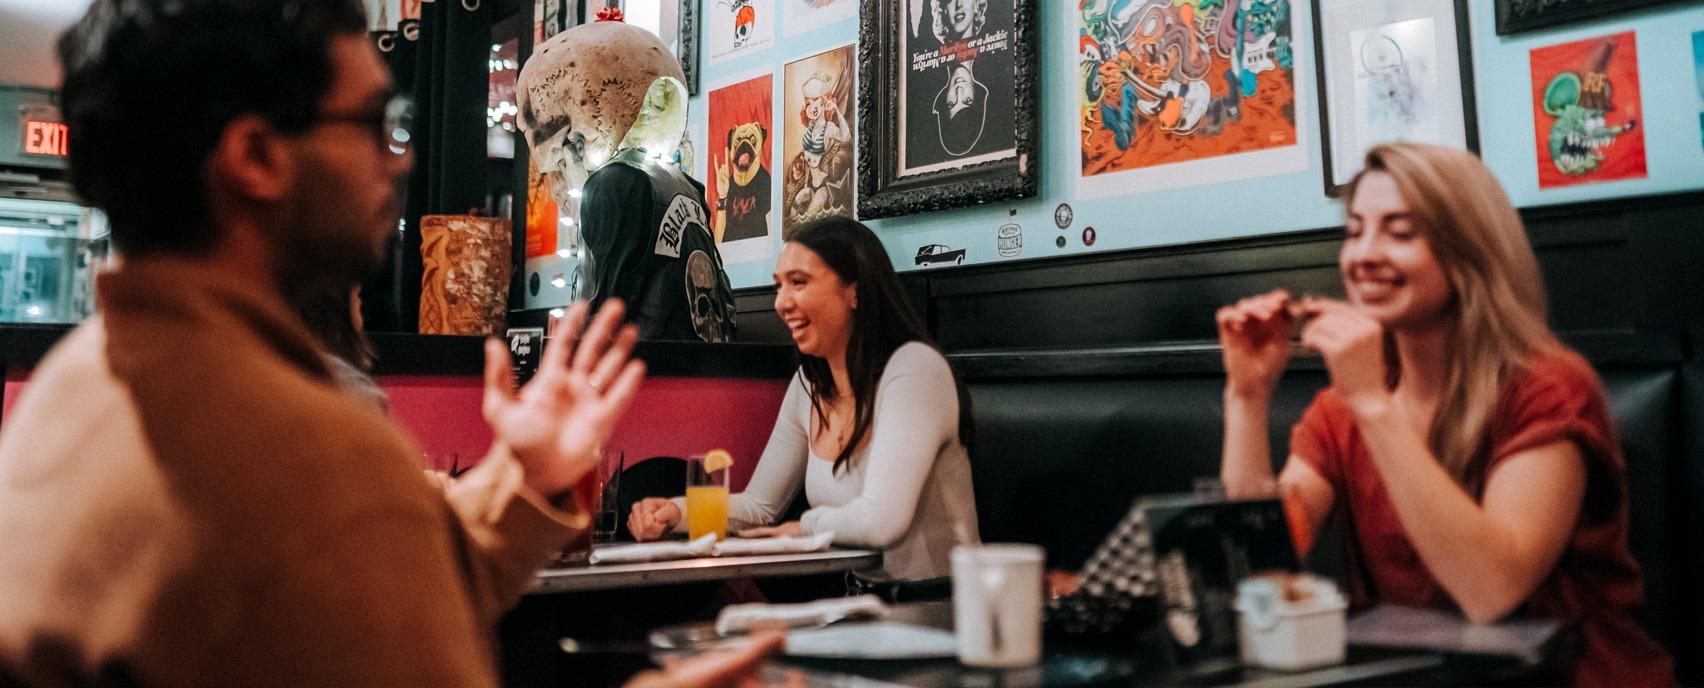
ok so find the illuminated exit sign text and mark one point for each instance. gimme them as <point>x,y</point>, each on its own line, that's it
<point>44,138</point>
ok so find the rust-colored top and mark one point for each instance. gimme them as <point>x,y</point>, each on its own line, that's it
<point>1596,581</point>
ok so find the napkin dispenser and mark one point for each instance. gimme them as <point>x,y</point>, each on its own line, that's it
<point>1291,622</point>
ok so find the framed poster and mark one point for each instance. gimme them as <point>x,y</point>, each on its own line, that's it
<point>739,27</point>
<point>674,21</point>
<point>1515,16</point>
<point>1392,72</point>
<point>1171,95</point>
<point>551,17</point>
<point>740,151</point>
<point>805,15</point>
<point>947,104</point>
<point>817,143</point>
<point>1586,111</point>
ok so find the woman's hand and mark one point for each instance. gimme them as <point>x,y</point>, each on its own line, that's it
<point>1254,336</point>
<point>786,529</point>
<point>652,518</point>
<point>557,423</point>
<point>1353,347</point>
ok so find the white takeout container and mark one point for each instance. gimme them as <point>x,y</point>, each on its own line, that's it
<point>1277,634</point>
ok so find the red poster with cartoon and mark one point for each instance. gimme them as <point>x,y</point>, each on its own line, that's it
<point>1585,111</point>
<point>739,154</point>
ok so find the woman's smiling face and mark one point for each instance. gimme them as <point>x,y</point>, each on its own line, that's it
<point>813,301</point>
<point>1389,270</point>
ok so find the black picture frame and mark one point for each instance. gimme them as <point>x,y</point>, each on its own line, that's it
<point>882,190</point>
<point>687,49</point>
<point>1463,75</point>
<point>1516,16</point>
<point>685,38</point>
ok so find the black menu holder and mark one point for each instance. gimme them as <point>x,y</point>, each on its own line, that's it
<point>1202,549</point>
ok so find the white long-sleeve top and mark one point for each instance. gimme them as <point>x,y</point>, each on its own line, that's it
<point>906,492</point>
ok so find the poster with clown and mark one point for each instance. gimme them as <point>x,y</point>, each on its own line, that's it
<point>739,27</point>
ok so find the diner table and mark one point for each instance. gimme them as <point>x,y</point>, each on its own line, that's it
<point>592,577</point>
<point>604,602</point>
<point>1143,661</point>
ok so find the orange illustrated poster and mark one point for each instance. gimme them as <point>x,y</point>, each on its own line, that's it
<point>739,151</point>
<point>1585,111</point>
<point>1167,82</point>
<point>541,215</point>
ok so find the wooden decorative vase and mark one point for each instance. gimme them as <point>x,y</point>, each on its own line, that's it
<point>465,286</point>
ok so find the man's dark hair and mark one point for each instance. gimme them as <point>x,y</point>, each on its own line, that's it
<point>150,86</point>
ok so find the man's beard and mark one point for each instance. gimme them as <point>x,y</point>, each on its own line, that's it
<point>322,246</point>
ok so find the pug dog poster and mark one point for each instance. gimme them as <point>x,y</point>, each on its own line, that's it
<point>740,154</point>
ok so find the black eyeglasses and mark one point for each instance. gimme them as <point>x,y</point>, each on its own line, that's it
<point>392,128</point>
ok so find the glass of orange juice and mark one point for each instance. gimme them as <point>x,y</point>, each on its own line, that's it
<point>707,494</point>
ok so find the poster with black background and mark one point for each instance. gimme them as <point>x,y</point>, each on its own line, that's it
<point>956,81</point>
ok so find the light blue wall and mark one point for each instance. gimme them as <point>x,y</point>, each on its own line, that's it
<point>1280,202</point>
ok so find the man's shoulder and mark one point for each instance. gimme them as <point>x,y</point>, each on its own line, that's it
<point>214,422</point>
<point>68,399</point>
<point>249,418</point>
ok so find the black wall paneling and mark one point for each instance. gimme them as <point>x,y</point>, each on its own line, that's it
<point>754,316</point>
<point>1615,271</point>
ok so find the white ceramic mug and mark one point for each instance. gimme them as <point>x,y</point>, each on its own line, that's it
<point>997,604</point>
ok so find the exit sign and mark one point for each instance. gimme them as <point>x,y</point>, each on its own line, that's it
<point>44,138</point>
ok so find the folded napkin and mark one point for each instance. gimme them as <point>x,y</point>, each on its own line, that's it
<point>740,618</point>
<point>655,551</point>
<point>785,544</point>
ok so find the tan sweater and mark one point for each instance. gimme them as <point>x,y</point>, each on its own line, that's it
<point>186,500</point>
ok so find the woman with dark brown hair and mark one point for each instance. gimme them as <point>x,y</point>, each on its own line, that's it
<point>874,425</point>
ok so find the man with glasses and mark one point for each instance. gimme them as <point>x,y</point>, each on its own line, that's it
<point>185,498</point>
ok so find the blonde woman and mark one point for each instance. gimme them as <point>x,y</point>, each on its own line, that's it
<point>1472,450</point>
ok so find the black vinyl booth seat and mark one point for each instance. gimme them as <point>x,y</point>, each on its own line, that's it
<point>1058,460</point>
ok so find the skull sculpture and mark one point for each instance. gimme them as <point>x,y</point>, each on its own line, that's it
<point>593,90</point>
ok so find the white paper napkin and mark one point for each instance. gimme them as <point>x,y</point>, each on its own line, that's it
<point>743,617</point>
<point>655,551</point>
<point>878,640</point>
<point>785,544</point>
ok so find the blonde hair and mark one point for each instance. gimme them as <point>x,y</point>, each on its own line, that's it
<point>1497,292</point>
